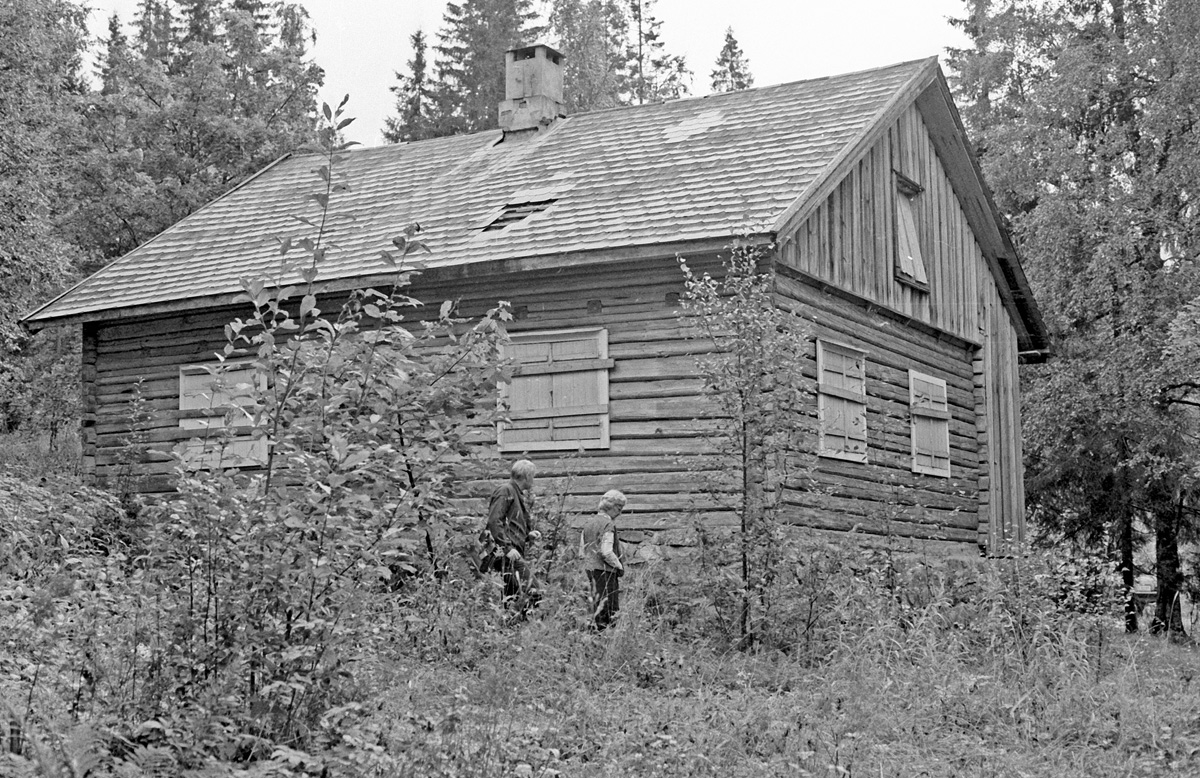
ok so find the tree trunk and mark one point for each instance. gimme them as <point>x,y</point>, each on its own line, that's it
<point>1168,615</point>
<point>1127,577</point>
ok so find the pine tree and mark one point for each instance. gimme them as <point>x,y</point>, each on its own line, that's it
<point>593,36</point>
<point>115,57</point>
<point>414,98</point>
<point>470,65</point>
<point>732,70</point>
<point>654,74</point>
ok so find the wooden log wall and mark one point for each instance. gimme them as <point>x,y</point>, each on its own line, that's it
<point>849,242</point>
<point>883,496</point>
<point>659,453</point>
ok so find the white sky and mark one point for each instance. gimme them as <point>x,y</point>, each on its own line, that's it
<point>361,43</point>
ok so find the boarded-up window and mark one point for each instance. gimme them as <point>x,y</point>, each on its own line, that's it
<point>910,264</point>
<point>841,401</point>
<point>207,394</point>
<point>558,398</point>
<point>930,414</point>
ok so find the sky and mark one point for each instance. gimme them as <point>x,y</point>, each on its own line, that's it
<point>362,43</point>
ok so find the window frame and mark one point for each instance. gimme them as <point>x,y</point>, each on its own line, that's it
<point>243,448</point>
<point>934,412</point>
<point>599,367</point>
<point>909,266</point>
<point>830,397</point>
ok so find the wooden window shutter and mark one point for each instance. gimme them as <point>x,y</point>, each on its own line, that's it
<point>930,413</point>
<point>206,393</point>
<point>841,402</point>
<point>910,264</point>
<point>558,398</point>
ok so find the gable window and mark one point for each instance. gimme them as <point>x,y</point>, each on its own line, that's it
<point>841,401</point>
<point>930,413</point>
<point>206,395</point>
<point>910,264</point>
<point>558,398</point>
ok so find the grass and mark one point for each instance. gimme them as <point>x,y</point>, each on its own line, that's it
<point>36,455</point>
<point>638,701</point>
<point>869,666</point>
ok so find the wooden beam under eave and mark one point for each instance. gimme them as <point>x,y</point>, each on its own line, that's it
<point>441,274</point>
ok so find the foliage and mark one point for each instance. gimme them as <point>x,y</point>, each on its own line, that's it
<point>199,96</point>
<point>883,662</point>
<point>194,104</point>
<point>470,65</point>
<point>653,74</point>
<point>41,46</point>
<point>751,380</point>
<point>591,34</point>
<point>732,71</point>
<point>1084,120</point>
<point>414,97</point>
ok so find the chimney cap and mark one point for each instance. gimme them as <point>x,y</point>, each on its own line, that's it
<point>529,52</point>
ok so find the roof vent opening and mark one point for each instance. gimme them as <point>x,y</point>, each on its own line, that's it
<point>515,212</point>
<point>533,88</point>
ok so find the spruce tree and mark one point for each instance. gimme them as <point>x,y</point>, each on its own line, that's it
<point>732,70</point>
<point>199,19</point>
<point>155,30</point>
<point>593,35</point>
<point>114,58</point>
<point>414,98</point>
<point>470,65</point>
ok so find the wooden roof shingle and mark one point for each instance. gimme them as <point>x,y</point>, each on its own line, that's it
<point>688,170</point>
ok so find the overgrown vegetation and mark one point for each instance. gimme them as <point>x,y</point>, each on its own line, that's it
<point>756,404</point>
<point>895,665</point>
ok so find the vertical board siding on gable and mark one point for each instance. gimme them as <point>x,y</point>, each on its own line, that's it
<point>963,299</point>
<point>850,239</point>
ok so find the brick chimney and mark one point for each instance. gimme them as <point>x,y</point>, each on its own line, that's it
<point>533,88</point>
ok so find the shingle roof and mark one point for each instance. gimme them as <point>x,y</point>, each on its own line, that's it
<point>692,169</point>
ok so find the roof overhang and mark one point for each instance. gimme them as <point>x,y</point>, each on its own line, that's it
<point>429,275</point>
<point>931,94</point>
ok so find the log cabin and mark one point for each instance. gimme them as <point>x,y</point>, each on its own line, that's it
<point>882,235</point>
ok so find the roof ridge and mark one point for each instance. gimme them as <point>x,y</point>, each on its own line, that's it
<point>675,101</point>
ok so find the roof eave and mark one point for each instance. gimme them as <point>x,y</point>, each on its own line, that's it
<point>598,258</point>
<point>33,322</point>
